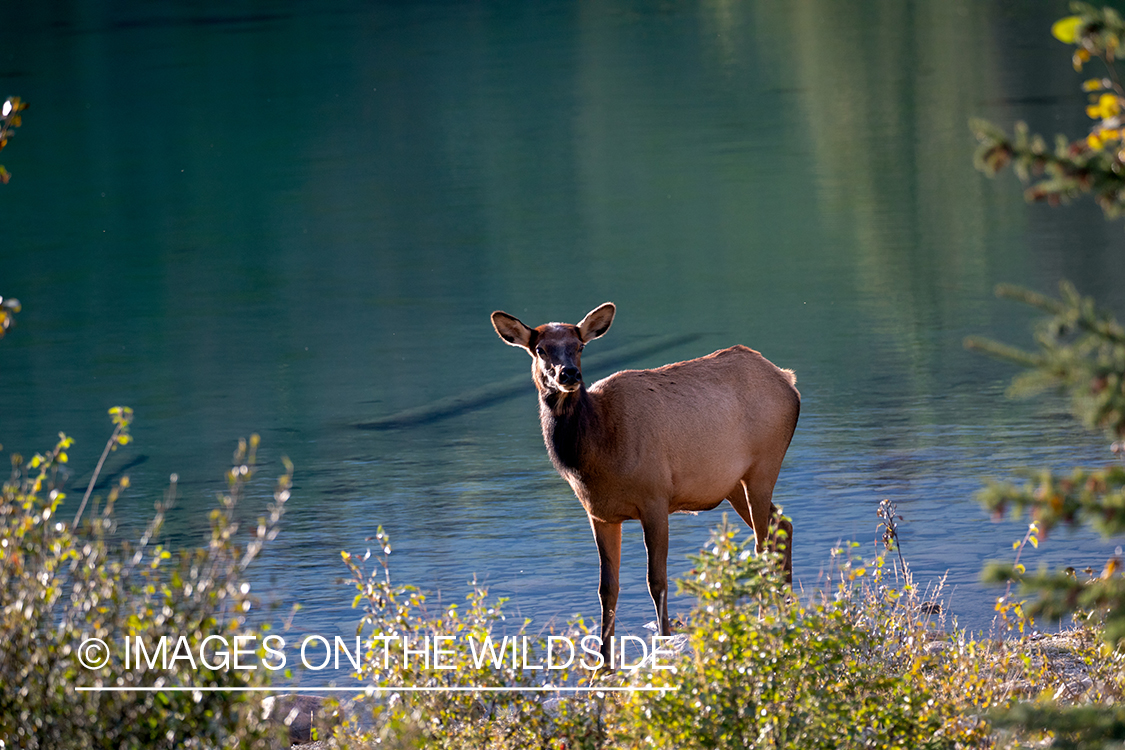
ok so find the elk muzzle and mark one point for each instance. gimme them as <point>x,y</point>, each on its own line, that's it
<point>569,377</point>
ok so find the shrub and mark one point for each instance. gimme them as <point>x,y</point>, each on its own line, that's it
<point>454,715</point>
<point>859,664</point>
<point>61,585</point>
<point>766,670</point>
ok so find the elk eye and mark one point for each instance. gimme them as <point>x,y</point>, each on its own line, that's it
<point>541,351</point>
<point>581,347</point>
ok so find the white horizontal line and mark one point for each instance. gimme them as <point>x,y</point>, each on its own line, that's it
<point>377,689</point>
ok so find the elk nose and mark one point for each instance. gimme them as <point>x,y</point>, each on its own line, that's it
<point>570,375</point>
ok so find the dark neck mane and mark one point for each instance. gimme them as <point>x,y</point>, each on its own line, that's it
<point>567,419</point>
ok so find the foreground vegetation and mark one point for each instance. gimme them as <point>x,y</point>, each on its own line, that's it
<point>63,583</point>
<point>1081,354</point>
<point>866,662</point>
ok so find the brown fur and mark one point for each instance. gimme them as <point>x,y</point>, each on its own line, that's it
<point>642,444</point>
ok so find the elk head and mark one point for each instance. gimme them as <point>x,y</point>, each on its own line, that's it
<point>555,348</point>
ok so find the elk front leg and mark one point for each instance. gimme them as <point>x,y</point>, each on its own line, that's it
<point>656,544</point>
<point>608,538</point>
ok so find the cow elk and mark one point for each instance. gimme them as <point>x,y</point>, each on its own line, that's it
<point>642,444</point>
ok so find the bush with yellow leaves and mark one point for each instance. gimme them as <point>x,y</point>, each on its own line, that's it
<point>62,584</point>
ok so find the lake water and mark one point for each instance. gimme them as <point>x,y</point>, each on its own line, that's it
<point>293,218</point>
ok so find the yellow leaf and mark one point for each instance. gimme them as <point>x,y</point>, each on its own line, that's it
<point>1034,542</point>
<point>1066,29</point>
<point>1094,84</point>
<point>62,457</point>
<point>1107,106</point>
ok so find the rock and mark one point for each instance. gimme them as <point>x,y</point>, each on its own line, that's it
<point>936,647</point>
<point>930,608</point>
<point>300,714</point>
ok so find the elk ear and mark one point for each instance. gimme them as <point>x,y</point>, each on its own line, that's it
<point>512,330</point>
<point>596,322</point>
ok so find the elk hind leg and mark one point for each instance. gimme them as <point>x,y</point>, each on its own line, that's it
<point>656,544</point>
<point>771,530</point>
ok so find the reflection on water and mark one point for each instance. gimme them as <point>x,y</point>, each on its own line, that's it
<point>297,219</point>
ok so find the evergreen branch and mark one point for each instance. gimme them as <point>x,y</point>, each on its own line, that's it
<point>1002,351</point>
<point>1096,497</point>
<point>1035,299</point>
<point>1081,353</point>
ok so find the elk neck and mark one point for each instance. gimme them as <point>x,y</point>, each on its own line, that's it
<point>569,421</point>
